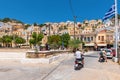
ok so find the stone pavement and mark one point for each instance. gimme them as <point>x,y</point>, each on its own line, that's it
<point>13,50</point>
<point>93,70</point>
<point>62,69</point>
<point>106,71</point>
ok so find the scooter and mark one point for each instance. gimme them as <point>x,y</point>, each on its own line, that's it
<point>78,64</point>
<point>101,59</point>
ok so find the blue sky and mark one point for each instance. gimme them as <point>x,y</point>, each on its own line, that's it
<point>41,11</point>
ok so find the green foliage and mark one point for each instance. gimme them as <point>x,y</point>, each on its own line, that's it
<point>1,40</point>
<point>5,20</point>
<point>17,21</point>
<point>7,39</point>
<point>34,35</point>
<point>41,25</point>
<point>26,26</point>
<point>32,41</point>
<point>54,46</point>
<point>65,39</point>
<point>20,40</point>
<point>35,24</point>
<point>36,38</point>
<point>54,41</point>
<point>40,36</point>
<point>74,43</point>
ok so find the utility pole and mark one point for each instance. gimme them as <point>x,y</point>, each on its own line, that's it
<point>13,38</point>
<point>49,29</point>
<point>74,24</point>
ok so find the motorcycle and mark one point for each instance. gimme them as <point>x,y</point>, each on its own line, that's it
<point>101,59</point>
<point>78,64</point>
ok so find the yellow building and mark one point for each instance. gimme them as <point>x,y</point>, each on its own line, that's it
<point>104,38</point>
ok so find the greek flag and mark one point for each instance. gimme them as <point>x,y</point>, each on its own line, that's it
<point>110,13</point>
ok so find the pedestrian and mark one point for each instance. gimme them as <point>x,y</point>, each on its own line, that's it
<point>104,54</point>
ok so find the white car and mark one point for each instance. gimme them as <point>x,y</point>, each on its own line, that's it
<point>108,53</point>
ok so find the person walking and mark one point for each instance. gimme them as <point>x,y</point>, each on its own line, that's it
<point>104,54</point>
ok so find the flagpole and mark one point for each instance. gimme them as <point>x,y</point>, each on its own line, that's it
<point>116,32</point>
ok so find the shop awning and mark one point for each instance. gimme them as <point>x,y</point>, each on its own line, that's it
<point>101,44</point>
<point>89,44</point>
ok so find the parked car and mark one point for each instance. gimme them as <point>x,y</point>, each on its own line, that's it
<point>109,53</point>
<point>113,52</point>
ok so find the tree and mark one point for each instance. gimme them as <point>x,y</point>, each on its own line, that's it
<point>17,21</point>
<point>1,40</point>
<point>35,24</point>
<point>54,41</point>
<point>6,20</point>
<point>36,38</point>
<point>65,39</point>
<point>11,20</point>
<point>75,43</point>
<point>41,25</point>
<point>20,40</point>
<point>26,26</point>
<point>7,40</point>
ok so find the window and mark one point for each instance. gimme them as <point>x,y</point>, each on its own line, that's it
<point>102,38</point>
<point>91,38</point>
<point>85,38</point>
<point>98,37</point>
<point>88,38</point>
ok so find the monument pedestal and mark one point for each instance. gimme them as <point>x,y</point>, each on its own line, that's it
<point>115,59</point>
